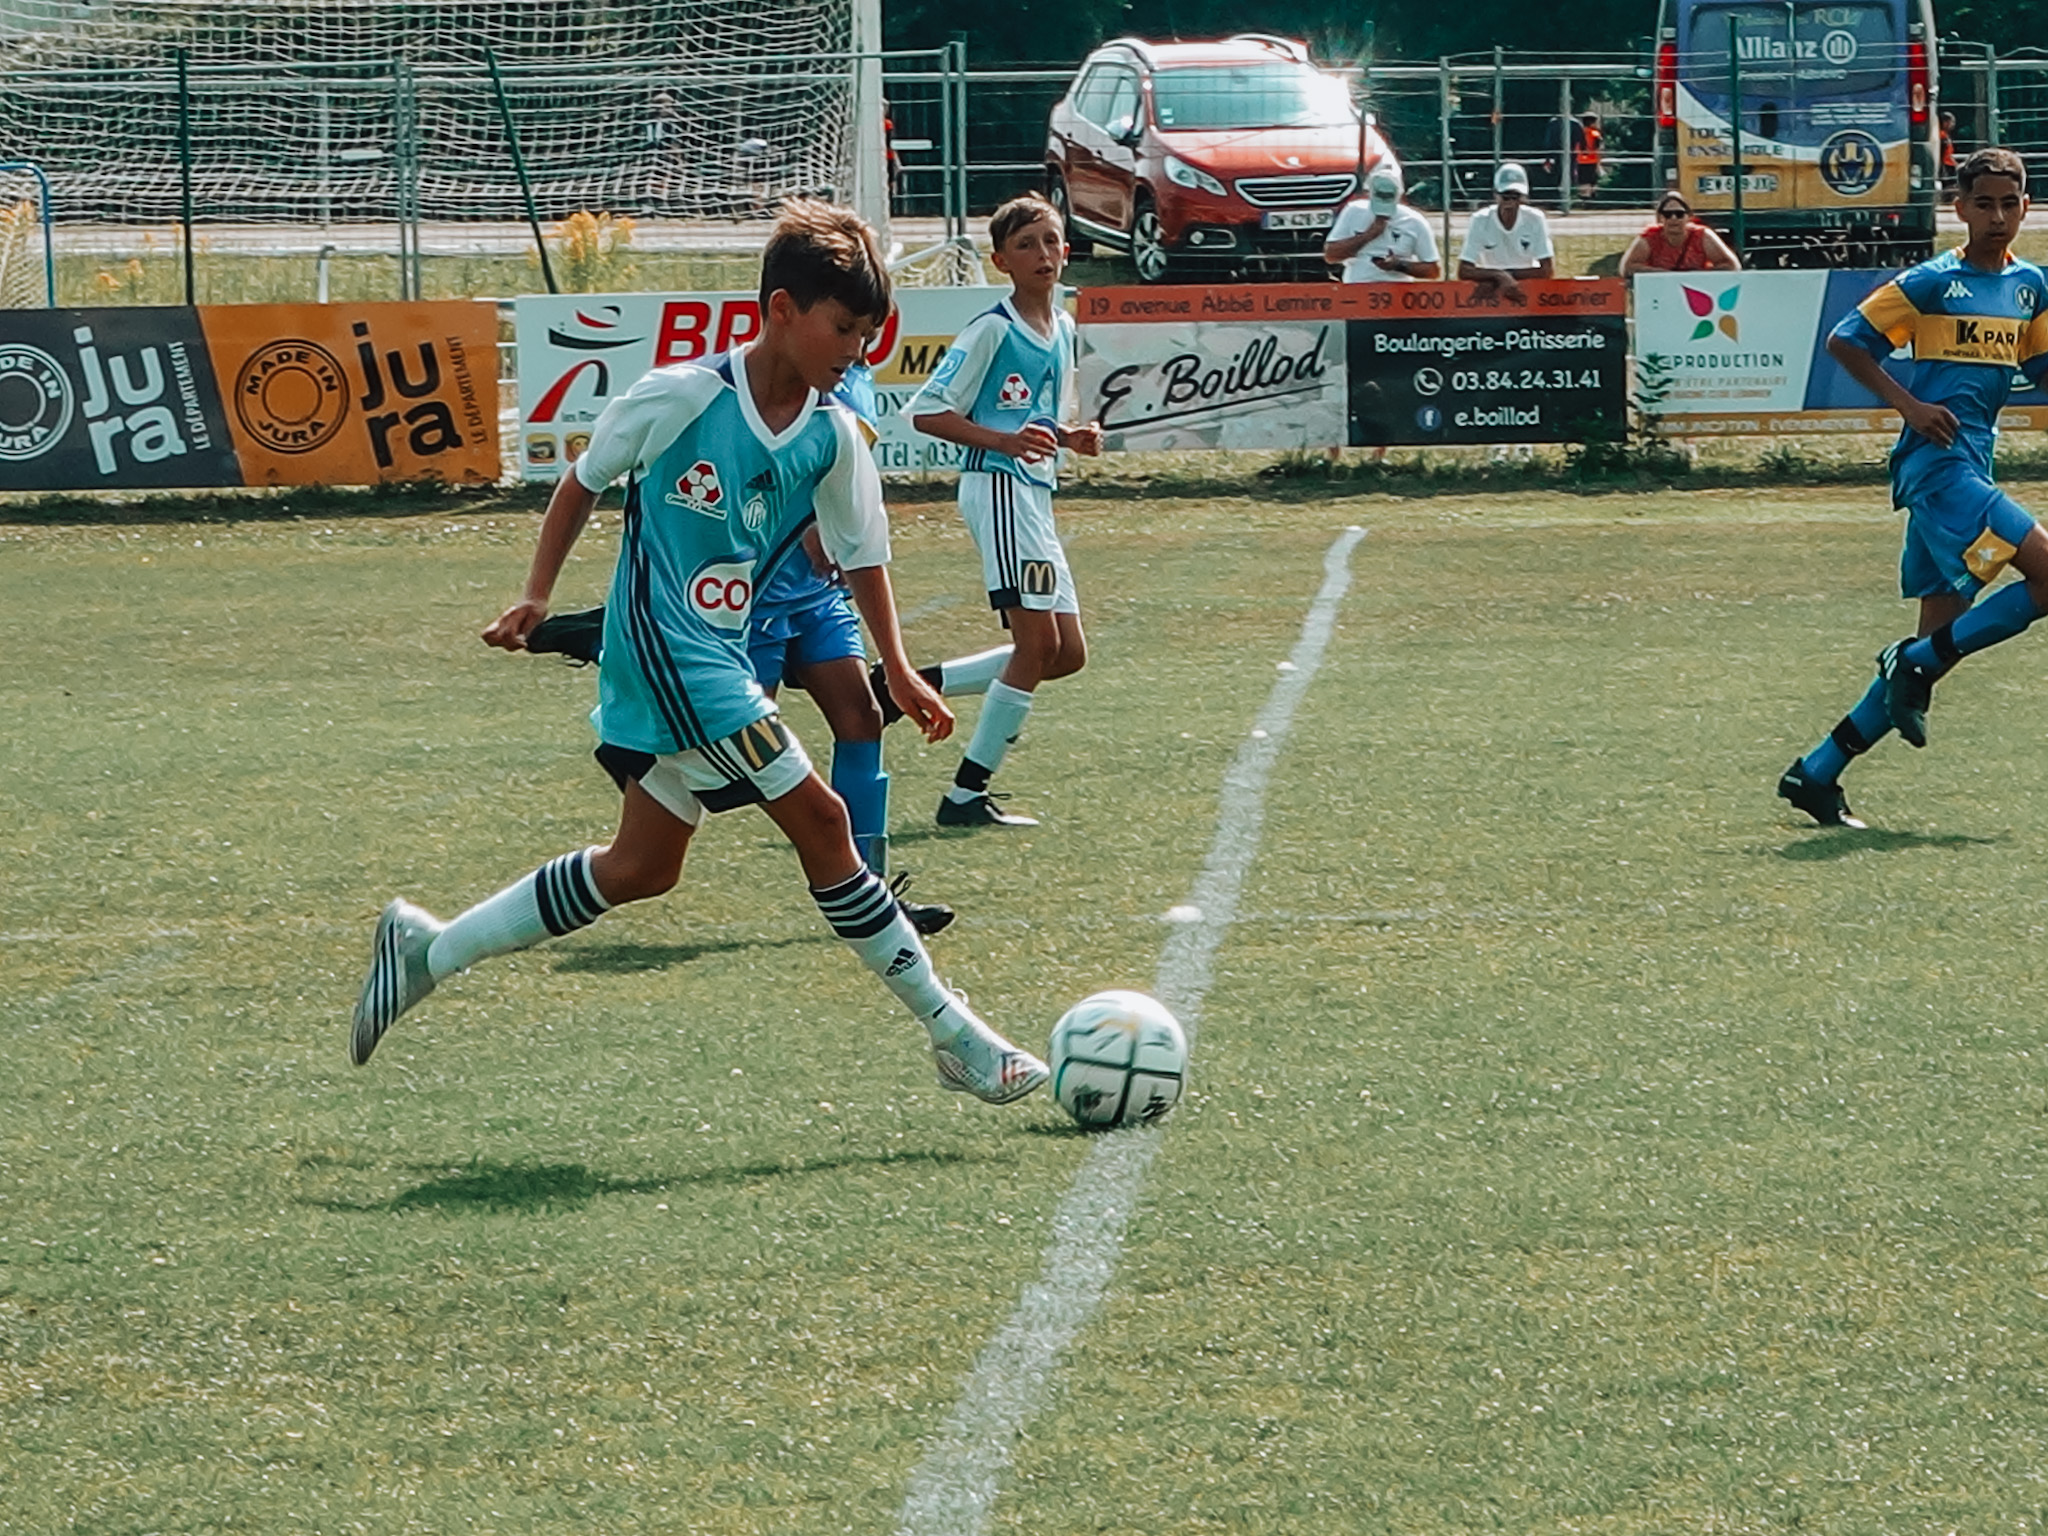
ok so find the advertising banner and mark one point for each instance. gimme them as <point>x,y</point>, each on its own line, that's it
<point>576,351</point>
<point>1741,353</point>
<point>258,394</point>
<point>1317,365</point>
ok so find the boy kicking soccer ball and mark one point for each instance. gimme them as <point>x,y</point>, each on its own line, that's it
<point>998,392</point>
<point>1973,316</point>
<point>726,462</point>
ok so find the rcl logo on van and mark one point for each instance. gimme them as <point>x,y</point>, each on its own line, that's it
<point>723,595</point>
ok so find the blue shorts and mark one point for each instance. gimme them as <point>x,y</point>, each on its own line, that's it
<point>803,635</point>
<point>1961,531</point>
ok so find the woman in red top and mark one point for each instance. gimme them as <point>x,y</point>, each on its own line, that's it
<point>1677,242</point>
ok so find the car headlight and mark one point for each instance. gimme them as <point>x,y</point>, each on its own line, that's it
<point>1181,174</point>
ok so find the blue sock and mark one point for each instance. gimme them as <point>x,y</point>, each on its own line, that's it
<point>1860,730</point>
<point>857,778</point>
<point>1999,616</point>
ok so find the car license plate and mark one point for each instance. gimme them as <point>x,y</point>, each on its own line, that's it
<point>1297,218</point>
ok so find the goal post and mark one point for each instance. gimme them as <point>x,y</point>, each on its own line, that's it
<point>649,109</point>
<point>28,248</point>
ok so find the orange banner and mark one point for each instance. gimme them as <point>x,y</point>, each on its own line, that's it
<point>1347,301</point>
<point>356,394</point>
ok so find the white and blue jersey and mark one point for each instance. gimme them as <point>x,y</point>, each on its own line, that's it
<point>1001,373</point>
<point>716,504</point>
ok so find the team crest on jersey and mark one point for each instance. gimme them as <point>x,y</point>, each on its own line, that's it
<point>754,513</point>
<point>1015,394</point>
<point>698,489</point>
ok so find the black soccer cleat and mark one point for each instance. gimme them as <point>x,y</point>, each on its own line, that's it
<point>981,811</point>
<point>578,637</point>
<point>1908,690</point>
<point>927,917</point>
<point>1825,803</point>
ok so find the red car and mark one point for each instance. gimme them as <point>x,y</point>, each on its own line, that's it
<point>1235,154</point>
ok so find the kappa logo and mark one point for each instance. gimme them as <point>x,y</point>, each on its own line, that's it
<point>1957,289</point>
<point>698,489</point>
<point>1015,394</point>
<point>905,959</point>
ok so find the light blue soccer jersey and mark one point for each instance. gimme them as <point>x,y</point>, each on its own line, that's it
<point>795,583</point>
<point>1969,330</point>
<point>1001,373</point>
<point>715,501</point>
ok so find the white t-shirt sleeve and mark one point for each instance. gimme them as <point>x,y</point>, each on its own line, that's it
<point>1474,248</point>
<point>1425,237</point>
<point>853,524</point>
<point>956,382</point>
<point>1352,219</point>
<point>1539,244</point>
<point>632,431</point>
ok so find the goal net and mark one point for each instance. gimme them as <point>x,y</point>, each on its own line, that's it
<point>331,111</point>
<point>25,276</point>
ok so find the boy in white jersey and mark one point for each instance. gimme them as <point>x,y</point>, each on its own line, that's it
<point>998,392</point>
<point>728,462</point>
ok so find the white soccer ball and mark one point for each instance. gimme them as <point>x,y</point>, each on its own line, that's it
<point>1118,1058</point>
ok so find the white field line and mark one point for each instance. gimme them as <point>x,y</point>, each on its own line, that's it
<point>953,1489</point>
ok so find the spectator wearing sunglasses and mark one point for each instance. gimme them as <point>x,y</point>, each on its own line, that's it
<point>1677,242</point>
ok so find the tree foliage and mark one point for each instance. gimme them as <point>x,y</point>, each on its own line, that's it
<point>1059,32</point>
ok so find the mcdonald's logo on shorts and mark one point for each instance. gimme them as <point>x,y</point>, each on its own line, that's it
<point>1037,578</point>
<point>762,742</point>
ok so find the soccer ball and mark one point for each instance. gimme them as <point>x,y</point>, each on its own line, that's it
<point>1118,1058</point>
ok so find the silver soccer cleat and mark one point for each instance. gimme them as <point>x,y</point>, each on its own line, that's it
<point>981,1062</point>
<point>398,974</point>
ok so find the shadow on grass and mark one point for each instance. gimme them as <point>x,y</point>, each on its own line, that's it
<point>616,959</point>
<point>486,1186</point>
<point>1841,842</point>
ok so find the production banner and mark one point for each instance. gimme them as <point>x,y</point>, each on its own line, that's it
<point>258,394</point>
<point>1315,365</point>
<point>578,350</point>
<point>1741,353</point>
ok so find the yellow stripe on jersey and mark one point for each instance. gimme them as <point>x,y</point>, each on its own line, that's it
<point>1891,313</point>
<point>1990,339</point>
<point>2034,339</point>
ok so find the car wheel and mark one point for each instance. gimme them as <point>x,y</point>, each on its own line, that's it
<point>1148,242</point>
<point>1056,193</point>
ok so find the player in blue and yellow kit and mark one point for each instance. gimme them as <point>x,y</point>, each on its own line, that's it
<point>999,392</point>
<point>1972,316</point>
<point>727,463</point>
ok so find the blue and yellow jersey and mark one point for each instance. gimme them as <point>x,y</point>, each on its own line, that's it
<point>1970,332</point>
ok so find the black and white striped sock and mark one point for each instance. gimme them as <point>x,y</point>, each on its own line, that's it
<point>559,897</point>
<point>862,912</point>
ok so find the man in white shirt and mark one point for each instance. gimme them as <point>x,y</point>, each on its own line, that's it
<point>1508,241</point>
<point>1377,239</point>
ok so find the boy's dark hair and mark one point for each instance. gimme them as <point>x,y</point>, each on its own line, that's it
<point>1019,212</point>
<point>817,251</point>
<point>1991,162</point>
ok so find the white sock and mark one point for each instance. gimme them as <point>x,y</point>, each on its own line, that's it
<point>862,912</point>
<point>555,899</point>
<point>1002,720</point>
<point>973,674</point>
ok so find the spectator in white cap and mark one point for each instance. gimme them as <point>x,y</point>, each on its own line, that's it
<point>1378,239</point>
<point>1508,241</point>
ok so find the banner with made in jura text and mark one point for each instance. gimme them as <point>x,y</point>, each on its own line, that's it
<point>256,394</point>
<point>1745,353</point>
<point>576,351</point>
<point>1317,365</point>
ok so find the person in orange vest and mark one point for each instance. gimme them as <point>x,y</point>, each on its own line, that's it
<point>1586,156</point>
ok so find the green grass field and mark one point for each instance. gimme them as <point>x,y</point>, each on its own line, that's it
<point>1578,1143</point>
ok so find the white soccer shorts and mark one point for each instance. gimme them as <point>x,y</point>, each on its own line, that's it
<point>1022,564</point>
<point>760,763</point>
